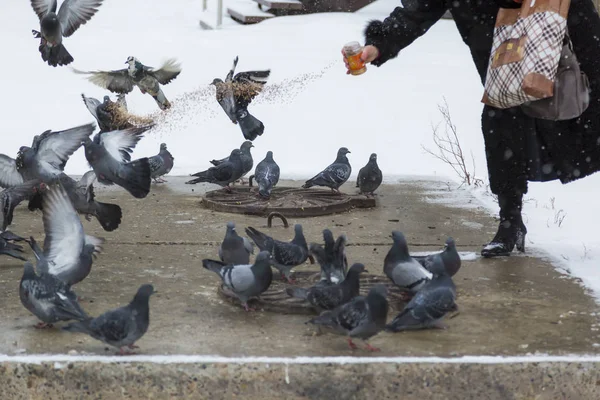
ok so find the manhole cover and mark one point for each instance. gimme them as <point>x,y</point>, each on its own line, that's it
<point>276,299</point>
<point>290,202</point>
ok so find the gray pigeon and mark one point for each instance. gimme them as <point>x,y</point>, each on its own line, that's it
<point>235,95</point>
<point>286,255</point>
<point>362,317</point>
<point>430,304</point>
<point>161,164</point>
<point>266,175</point>
<point>335,175</point>
<point>10,249</point>
<point>246,156</point>
<point>235,249</point>
<point>244,280</point>
<point>104,113</point>
<point>223,174</point>
<point>331,257</point>
<point>329,297</point>
<point>109,156</point>
<point>121,327</point>
<point>137,74</point>
<point>406,272</point>
<point>54,26</point>
<point>48,298</point>
<point>68,251</point>
<point>449,257</point>
<point>11,197</point>
<point>45,159</point>
<point>369,176</point>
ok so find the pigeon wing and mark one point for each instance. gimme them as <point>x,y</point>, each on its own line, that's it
<point>112,326</point>
<point>117,81</point>
<point>247,85</point>
<point>56,147</point>
<point>9,176</point>
<point>229,76</point>
<point>287,253</point>
<point>91,104</point>
<point>43,7</point>
<point>156,162</point>
<point>11,197</point>
<point>120,144</point>
<point>167,72</point>
<point>239,277</point>
<point>74,13</point>
<point>434,304</point>
<point>222,172</point>
<point>352,314</point>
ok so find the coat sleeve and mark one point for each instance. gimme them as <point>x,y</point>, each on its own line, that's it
<point>402,27</point>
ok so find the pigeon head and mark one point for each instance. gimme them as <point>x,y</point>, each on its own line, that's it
<point>131,61</point>
<point>298,229</point>
<point>380,290</point>
<point>450,244</point>
<point>343,151</point>
<point>400,246</point>
<point>163,146</point>
<point>144,292</point>
<point>216,81</point>
<point>263,256</point>
<point>357,269</point>
<point>50,22</point>
<point>106,99</point>
<point>246,146</point>
<point>269,155</point>
<point>373,157</point>
<point>231,226</point>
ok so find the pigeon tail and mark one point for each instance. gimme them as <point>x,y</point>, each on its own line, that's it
<point>250,125</point>
<point>213,265</point>
<point>161,100</point>
<point>79,326</point>
<point>258,237</point>
<point>135,177</point>
<point>55,55</point>
<point>108,215</point>
<point>325,319</point>
<point>297,292</point>
<point>202,176</point>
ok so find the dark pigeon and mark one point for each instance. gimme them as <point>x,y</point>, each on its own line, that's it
<point>223,174</point>
<point>369,176</point>
<point>121,327</point>
<point>109,155</point>
<point>430,305</point>
<point>48,298</point>
<point>246,280</point>
<point>161,164</point>
<point>266,175</point>
<point>362,317</point>
<point>245,155</point>
<point>406,272</point>
<point>330,297</point>
<point>331,257</point>
<point>235,95</point>
<point>335,175</point>
<point>449,257</point>
<point>56,26</point>
<point>235,249</point>
<point>104,113</point>
<point>11,197</point>
<point>286,255</point>
<point>10,249</point>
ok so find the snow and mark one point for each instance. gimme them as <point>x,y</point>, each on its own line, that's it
<point>310,107</point>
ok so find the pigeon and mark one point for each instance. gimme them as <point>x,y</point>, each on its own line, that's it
<point>121,327</point>
<point>406,272</point>
<point>235,249</point>
<point>430,304</point>
<point>266,175</point>
<point>236,93</point>
<point>147,79</point>
<point>224,173</point>
<point>286,255</point>
<point>109,156</point>
<point>103,112</point>
<point>45,159</point>
<point>331,258</point>
<point>161,164</point>
<point>54,26</point>
<point>68,251</point>
<point>369,176</point>
<point>244,280</point>
<point>48,298</point>
<point>11,197</point>
<point>450,258</point>
<point>330,297</point>
<point>10,249</point>
<point>362,317</point>
<point>246,156</point>
<point>335,175</point>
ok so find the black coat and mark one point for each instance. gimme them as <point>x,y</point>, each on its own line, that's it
<point>518,148</point>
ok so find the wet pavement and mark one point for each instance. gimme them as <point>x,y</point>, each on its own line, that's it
<point>516,305</point>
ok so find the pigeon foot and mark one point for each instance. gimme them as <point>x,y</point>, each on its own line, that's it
<point>351,344</point>
<point>124,352</point>
<point>248,308</point>
<point>406,296</point>
<point>371,348</point>
<point>133,346</point>
<point>43,325</point>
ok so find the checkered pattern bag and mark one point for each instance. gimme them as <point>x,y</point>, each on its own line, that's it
<point>525,53</point>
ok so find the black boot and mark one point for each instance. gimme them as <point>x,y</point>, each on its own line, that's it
<point>511,232</point>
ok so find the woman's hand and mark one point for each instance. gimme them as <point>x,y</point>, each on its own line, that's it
<point>369,54</point>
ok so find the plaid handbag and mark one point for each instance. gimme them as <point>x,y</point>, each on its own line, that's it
<point>525,52</point>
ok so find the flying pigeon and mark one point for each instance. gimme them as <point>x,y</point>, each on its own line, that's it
<point>121,327</point>
<point>54,26</point>
<point>148,79</point>
<point>406,272</point>
<point>11,197</point>
<point>286,255</point>
<point>104,113</point>
<point>266,175</point>
<point>10,249</point>
<point>430,304</point>
<point>224,173</point>
<point>331,258</point>
<point>109,156</point>
<point>330,297</point>
<point>369,176</point>
<point>335,175</point>
<point>449,257</point>
<point>68,252</point>
<point>362,317</point>
<point>48,298</point>
<point>161,164</point>
<point>236,93</point>
<point>235,249</point>
<point>45,159</point>
<point>244,280</point>
<point>246,156</point>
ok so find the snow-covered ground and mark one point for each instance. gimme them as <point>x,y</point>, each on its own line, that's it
<point>311,109</point>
